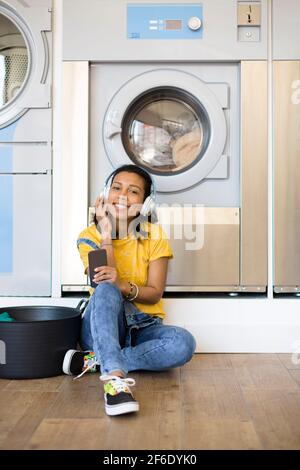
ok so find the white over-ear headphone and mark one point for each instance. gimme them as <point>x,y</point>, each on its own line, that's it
<point>149,203</point>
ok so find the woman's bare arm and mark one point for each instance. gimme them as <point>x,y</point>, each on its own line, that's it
<point>157,273</point>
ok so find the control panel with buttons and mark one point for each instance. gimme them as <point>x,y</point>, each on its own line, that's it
<point>161,21</point>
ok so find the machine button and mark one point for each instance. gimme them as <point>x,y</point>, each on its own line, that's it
<point>194,23</point>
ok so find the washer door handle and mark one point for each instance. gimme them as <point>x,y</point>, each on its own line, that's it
<point>112,129</point>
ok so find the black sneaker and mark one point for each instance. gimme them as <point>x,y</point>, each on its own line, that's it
<point>117,395</point>
<point>79,362</point>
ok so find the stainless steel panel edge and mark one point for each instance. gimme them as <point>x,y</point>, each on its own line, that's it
<point>286,177</point>
<point>194,289</point>
<point>287,290</point>
<point>254,173</point>
<point>216,289</point>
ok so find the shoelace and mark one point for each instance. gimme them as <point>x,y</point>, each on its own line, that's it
<point>91,363</point>
<point>119,383</point>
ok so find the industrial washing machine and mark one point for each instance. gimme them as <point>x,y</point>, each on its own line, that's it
<point>181,90</point>
<point>25,147</point>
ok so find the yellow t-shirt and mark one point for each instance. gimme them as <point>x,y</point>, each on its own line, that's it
<point>132,257</point>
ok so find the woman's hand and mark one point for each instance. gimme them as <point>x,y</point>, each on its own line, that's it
<point>107,274</point>
<point>102,218</point>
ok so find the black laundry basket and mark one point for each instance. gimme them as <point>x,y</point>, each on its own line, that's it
<point>34,345</point>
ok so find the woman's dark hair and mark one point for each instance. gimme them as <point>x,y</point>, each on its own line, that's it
<point>148,187</point>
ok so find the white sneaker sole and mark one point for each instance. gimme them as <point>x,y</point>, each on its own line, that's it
<point>123,408</point>
<point>67,361</point>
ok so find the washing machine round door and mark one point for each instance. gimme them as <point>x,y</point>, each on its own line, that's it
<point>168,122</point>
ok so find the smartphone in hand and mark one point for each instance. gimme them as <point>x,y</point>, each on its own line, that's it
<point>96,258</point>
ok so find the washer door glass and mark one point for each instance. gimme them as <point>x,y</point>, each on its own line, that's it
<point>13,60</point>
<point>166,130</point>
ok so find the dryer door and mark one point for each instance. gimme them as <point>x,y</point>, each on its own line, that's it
<point>170,123</point>
<point>24,58</point>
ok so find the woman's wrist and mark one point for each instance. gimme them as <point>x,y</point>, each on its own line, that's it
<point>105,229</point>
<point>129,290</point>
<point>124,287</point>
<point>106,241</point>
<point>133,292</point>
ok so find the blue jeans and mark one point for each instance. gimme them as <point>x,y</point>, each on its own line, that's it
<point>125,339</point>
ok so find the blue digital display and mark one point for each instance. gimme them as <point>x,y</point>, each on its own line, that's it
<point>163,21</point>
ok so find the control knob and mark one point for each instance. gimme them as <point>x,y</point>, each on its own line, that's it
<point>194,23</point>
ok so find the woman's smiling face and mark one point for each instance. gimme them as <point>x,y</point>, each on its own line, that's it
<point>126,195</point>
